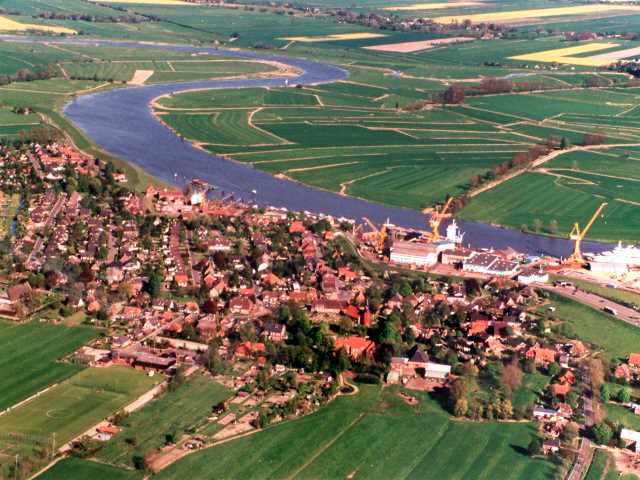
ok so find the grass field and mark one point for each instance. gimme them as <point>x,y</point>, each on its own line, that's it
<point>598,465</point>
<point>29,354</point>
<point>77,404</point>
<point>78,469</point>
<point>177,411</point>
<point>165,70</point>
<point>614,337</point>
<point>533,384</point>
<point>521,16</point>
<point>624,416</point>
<point>378,436</point>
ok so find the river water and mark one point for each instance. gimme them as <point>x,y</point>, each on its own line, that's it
<point>120,121</point>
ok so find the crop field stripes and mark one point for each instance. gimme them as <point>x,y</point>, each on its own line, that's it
<point>326,446</point>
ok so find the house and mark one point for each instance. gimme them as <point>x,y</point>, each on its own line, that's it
<point>247,349</point>
<point>356,347</point>
<point>527,277</point>
<point>542,356</point>
<point>19,292</point>
<point>240,306</point>
<point>560,389</point>
<point>630,438</point>
<point>623,371</point>
<point>276,332</point>
<point>634,358</point>
<point>551,446</point>
<point>542,413</point>
<point>106,432</point>
<point>325,305</point>
<point>437,371</point>
<point>181,280</point>
<point>362,315</point>
<point>478,327</point>
<point>296,227</point>
<point>419,360</point>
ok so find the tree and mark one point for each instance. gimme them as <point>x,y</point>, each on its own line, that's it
<point>537,224</point>
<point>605,392</point>
<point>454,94</point>
<point>139,462</point>
<point>554,369</point>
<point>602,433</point>
<point>535,446</point>
<point>596,372</point>
<point>154,286</point>
<point>461,407</point>
<point>510,378</point>
<point>457,391</point>
<point>570,432</point>
<point>624,395</point>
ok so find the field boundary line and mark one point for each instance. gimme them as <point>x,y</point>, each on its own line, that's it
<point>283,141</point>
<point>544,159</point>
<point>28,399</point>
<point>328,445</point>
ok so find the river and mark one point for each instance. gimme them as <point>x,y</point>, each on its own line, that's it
<point>120,121</point>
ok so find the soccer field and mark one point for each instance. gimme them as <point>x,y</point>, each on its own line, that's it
<point>77,404</point>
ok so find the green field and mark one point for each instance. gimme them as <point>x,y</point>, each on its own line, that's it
<point>518,202</point>
<point>164,70</point>
<point>378,436</point>
<point>622,415</point>
<point>614,337</point>
<point>340,137</point>
<point>29,354</point>
<point>174,412</point>
<point>78,469</point>
<point>533,385</point>
<point>77,404</point>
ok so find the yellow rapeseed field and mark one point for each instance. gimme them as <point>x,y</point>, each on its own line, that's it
<point>8,25</point>
<point>537,13</point>
<point>335,37</point>
<point>431,6</point>
<point>564,55</point>
<point>147,2</point>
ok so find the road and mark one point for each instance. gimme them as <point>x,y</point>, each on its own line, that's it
<point>625,314</point>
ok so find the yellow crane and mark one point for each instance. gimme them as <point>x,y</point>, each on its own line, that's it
<point>381,232</point>
<point>436,218</point>
<point>577,235</point>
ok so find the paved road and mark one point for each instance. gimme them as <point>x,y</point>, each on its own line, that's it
<point>626,314</point>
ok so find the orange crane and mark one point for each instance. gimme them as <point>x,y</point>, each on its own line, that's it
<point>381,232</point>
<point>436,218</point>
<point>577,235</point>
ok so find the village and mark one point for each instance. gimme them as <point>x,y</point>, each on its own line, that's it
<point>287,310</point>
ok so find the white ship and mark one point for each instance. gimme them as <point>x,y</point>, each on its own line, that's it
<point>619,259</point>
<point>454,234</point>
